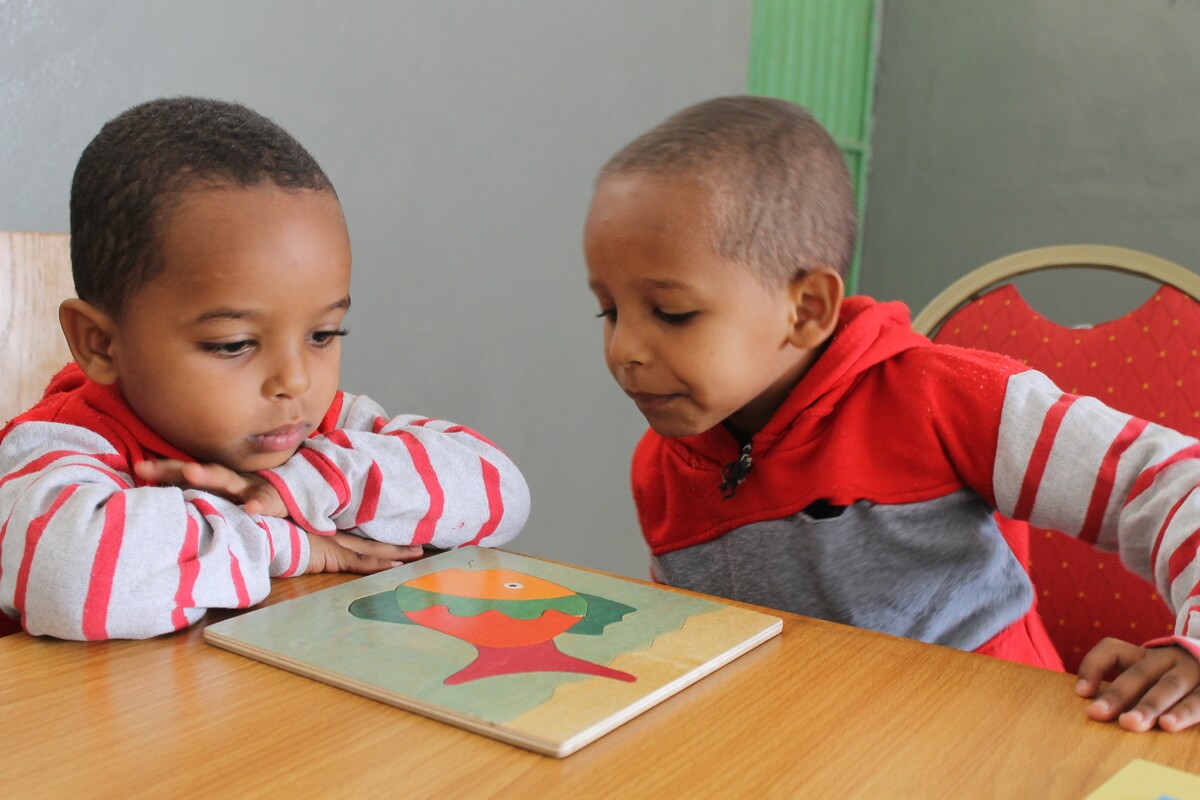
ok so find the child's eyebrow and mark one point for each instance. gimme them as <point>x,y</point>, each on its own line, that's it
<point>245,313</point>
<point>224,313</point>
<point>665,283</point>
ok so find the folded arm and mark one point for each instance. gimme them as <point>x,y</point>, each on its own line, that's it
<point>86,555</point>
<point>407,480</point>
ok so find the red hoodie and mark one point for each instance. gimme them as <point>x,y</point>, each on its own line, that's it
<point>73,399</point>
<point>870,496</point>
<point>824,443</point>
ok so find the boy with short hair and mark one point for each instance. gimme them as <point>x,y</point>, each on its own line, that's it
<point>812,453</point>
<point>199,444</point>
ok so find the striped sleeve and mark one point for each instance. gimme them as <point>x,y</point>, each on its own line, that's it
<point>86,555</point>
<point>403,480</point>
<point>1073,464</point>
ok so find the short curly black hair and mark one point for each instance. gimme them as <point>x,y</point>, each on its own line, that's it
<point>783,202</point>
<point>141,160</point>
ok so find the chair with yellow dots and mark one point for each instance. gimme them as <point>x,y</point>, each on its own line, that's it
<point>1145,363</point>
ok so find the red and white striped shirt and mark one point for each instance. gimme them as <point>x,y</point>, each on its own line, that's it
<point>1071,463</point>
<point>88,551</point>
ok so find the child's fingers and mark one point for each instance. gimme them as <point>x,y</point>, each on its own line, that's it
<point>1137,697</point>
<point>146,470</point>
<point>165,471</point>
<point>1106,658</point>
<point>361,564</point>
<point>381,550</point>
<point>264,500</point>
<point>1163,694</point>
<point>1185,714</point>
<point>188,475</point>
<point>348,553</point>
<point>214,478</point>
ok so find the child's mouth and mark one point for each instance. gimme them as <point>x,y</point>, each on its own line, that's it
<point>645,400</point>
<point>285,438</point>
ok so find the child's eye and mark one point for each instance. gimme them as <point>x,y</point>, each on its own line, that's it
<point>609,314</point>
<point>675,319</point>
<point>228,349</point>
<point>325,338</point>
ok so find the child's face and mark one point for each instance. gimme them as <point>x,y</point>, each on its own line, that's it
<point>231,352</point>
<point>693,338</point>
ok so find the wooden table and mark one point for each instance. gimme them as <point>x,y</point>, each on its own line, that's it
<point>821,711</point>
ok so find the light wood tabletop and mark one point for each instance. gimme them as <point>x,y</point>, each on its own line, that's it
<point>822,710</point>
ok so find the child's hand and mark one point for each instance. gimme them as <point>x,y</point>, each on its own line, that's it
<point>251,491</point>
<point>1152,685</point>
<point>345,552</point>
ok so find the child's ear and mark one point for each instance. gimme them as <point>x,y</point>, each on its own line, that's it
<point>816,302</point>
<point>89,333</point>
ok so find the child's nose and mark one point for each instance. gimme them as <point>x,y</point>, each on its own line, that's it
<point>289,377</point>
<point>626,346</point>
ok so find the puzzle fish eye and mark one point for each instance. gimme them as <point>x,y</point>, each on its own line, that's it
<point>514,585</point>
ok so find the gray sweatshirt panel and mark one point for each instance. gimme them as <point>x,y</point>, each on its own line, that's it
<point>937,571</point>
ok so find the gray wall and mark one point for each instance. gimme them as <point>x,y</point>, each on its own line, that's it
<point>1008,124</point>
<point>462,138</point>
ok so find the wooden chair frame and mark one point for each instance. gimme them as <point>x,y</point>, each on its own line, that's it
<point>1117,259</point>
<point>35,277</point>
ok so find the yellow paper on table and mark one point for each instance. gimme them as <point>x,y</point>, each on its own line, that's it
<point>1145,780</point>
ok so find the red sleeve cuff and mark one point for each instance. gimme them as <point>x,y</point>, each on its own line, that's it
<point>1191,645</point>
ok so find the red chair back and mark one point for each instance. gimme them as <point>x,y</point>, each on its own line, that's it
<point>1146,363</point>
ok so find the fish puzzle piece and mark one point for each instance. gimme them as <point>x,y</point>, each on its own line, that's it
<point>509,617</point>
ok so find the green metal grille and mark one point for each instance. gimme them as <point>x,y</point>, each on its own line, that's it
<point>821,54</point>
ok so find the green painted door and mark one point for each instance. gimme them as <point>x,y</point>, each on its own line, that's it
<point>821,54</point>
